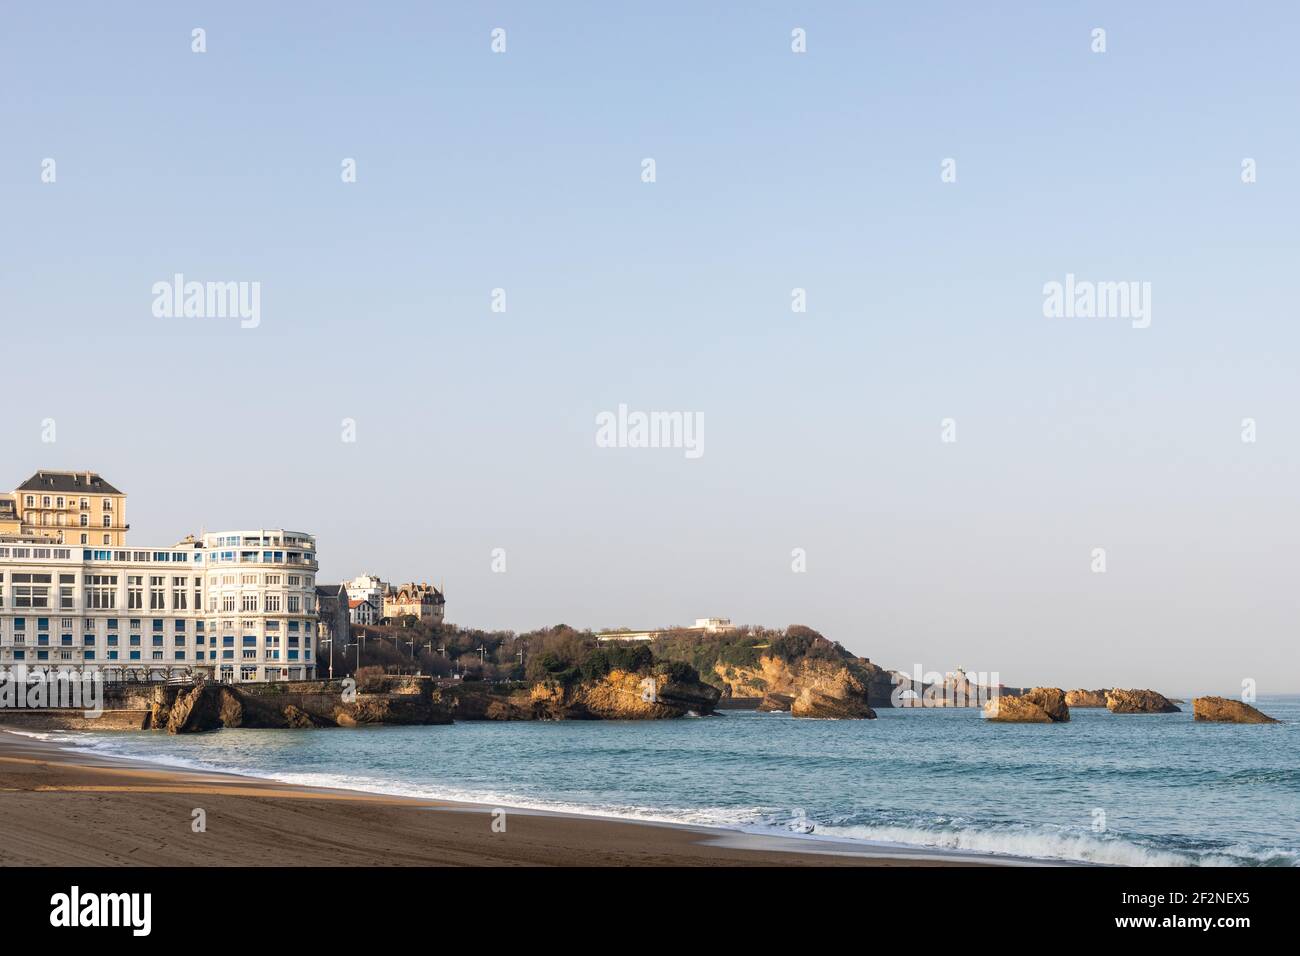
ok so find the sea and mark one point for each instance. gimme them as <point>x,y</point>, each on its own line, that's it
<point>1129,790</point>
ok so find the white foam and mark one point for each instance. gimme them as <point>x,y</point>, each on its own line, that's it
<point>1031,843</point>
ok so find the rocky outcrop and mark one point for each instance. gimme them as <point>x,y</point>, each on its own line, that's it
<point>1039,705</point>
<point>1085,698</point>
<point>630,696</point>
<point>814,686</point>
<point>824,706</point>
<point>1227,711</point>
<point>302,704</point>
<point>1139,702</point>
<point>619,695</point>
<point>779,703</point>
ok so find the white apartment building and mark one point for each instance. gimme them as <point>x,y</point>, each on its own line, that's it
<point>237,606</point>
<point>366,588</point>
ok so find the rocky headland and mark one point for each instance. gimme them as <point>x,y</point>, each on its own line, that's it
<point>796,670</point>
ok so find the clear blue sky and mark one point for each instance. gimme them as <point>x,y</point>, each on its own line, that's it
<point>475,430</point>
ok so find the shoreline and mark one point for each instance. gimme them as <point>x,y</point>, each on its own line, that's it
<point>62,807</point>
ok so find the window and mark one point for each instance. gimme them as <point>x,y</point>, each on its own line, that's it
<point>157,593</point>
<point>31,590</point>
<point>179,594</point>
<point>273,603</point>
<point>248,602</point>
<point>134,592</point>
<point>84,521</point>
<point>108,522</point>
<point>295,603</point>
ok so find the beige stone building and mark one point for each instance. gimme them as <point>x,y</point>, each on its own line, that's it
<point>66,507</point>
<point>422,601</point>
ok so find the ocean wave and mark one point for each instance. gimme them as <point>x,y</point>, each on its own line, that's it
<point>1043,844</point>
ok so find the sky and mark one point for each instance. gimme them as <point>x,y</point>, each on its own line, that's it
<point>475,461</point>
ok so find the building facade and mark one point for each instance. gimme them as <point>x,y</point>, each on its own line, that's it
<point>236,606</point>
<point>367,587</point>
<point>362,612</point>
<point>702,625</point>
<point>333,624</point>
<point>422,601</point>
<point>68,507</point>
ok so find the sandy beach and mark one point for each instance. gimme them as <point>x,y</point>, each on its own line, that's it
<point>60,807</point>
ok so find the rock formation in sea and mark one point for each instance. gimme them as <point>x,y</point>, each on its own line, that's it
<point>1039,705</point>
<point>1085,698</point>
<point>617,695</point>
<point>1228,711</point>
<point>211,705</point>
<point>846,705</point>
<point>1139,702</point>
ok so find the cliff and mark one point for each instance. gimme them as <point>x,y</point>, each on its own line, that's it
<point>810,687</point>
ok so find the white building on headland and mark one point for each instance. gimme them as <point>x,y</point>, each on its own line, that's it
<point>236,606</point>
<point>702,625</point>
